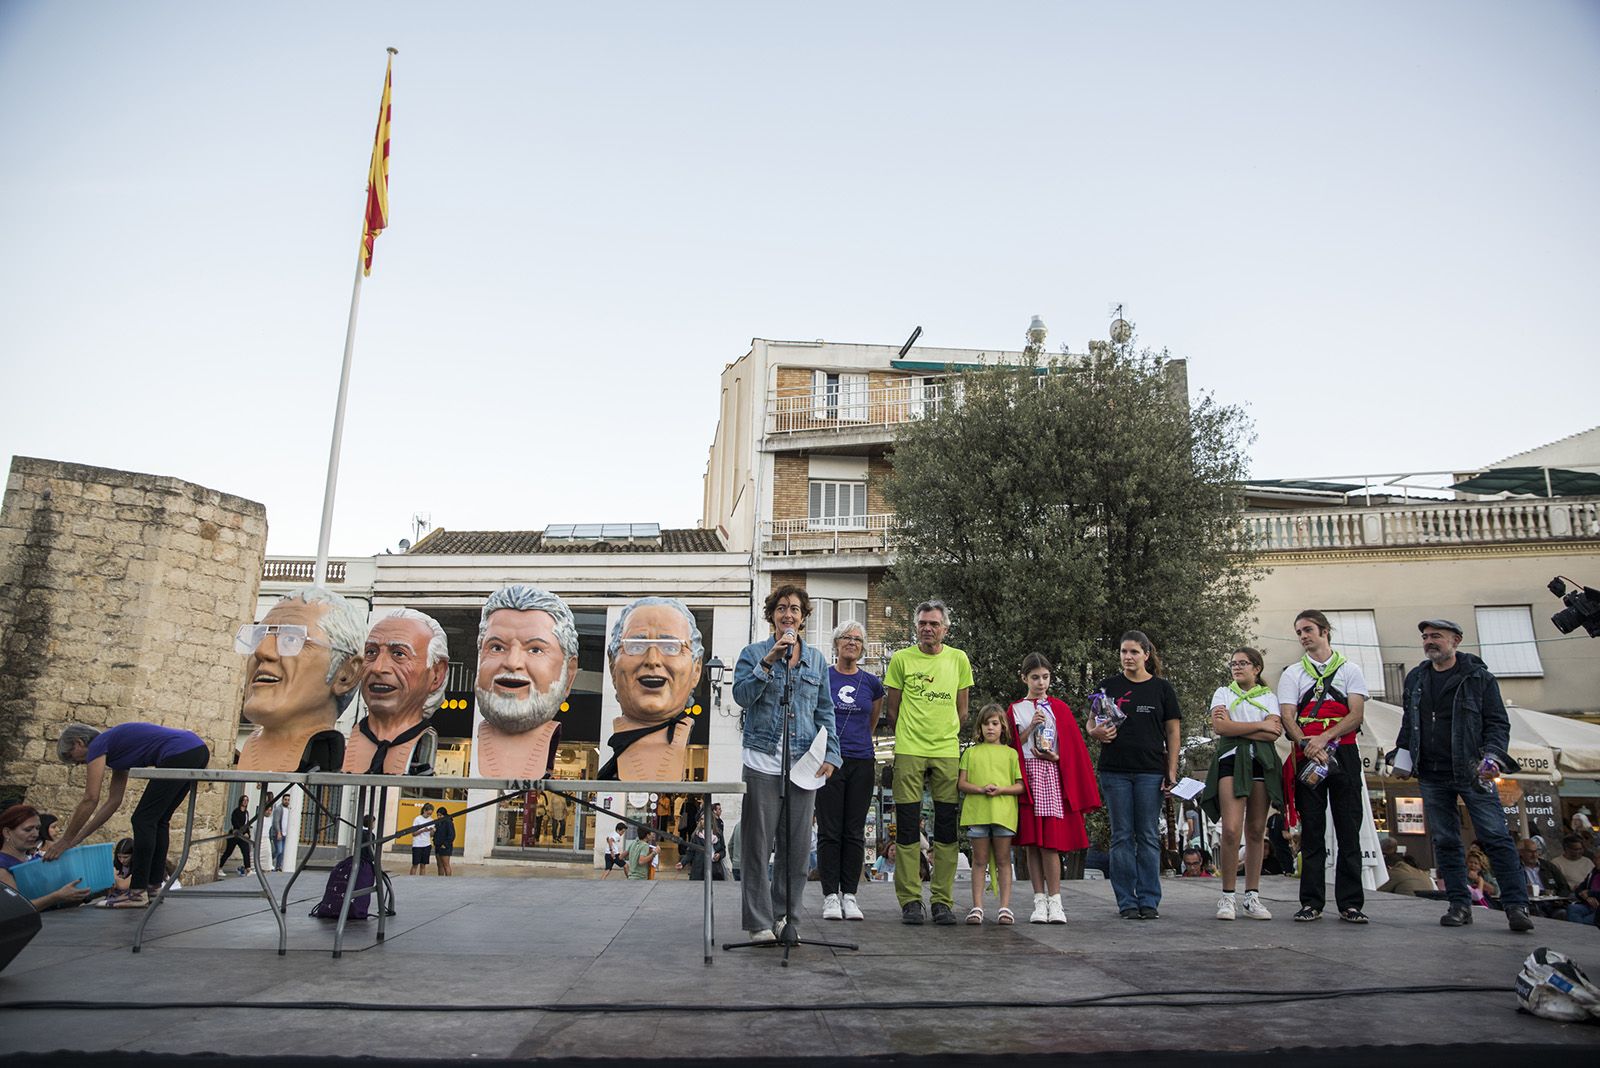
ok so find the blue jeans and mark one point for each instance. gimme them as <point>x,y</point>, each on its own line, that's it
<point>1488,823</point>
<point>1578,912</point>
<point>1133,800</point>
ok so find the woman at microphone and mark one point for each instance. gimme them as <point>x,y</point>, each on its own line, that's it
<point>781,671</point>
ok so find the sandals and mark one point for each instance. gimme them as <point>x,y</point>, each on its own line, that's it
<point>975,917</point>
<point>1005,919</point>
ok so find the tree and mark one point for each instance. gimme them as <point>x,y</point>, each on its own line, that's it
<point>1055,508</point>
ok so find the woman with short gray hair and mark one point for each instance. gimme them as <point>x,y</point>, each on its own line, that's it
<point>842,802</point>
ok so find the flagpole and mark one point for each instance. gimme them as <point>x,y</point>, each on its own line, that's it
<point>377,179</point>
<point>326,533</point>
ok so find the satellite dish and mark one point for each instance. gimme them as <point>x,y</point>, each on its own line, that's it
<point>1121,331</point>
<point>404,544</point>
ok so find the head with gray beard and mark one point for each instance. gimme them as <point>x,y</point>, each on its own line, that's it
<point>527,653</point>
<point>517,715</point>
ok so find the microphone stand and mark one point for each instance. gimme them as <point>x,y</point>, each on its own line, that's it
<point>790,936</point>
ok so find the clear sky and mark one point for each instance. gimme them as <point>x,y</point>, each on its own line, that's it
<point>1375,223</point>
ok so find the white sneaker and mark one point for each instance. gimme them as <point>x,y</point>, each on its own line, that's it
<point>1041,910</point>
<point>761,938</point>
<point>852,911</point>
<point>1225,907</point>
<point>831,909</point>
<point>1254,909</point>
<point>1053,910</point>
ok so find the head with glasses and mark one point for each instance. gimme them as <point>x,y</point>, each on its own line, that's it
<point>527,658</point>
<point>656,656</point>
<point>303,664</point>
<point>1246,665</point>
<point>407,660</point>
<point>849,643</point>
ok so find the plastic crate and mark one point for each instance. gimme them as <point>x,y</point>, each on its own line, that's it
<point>95,865</point>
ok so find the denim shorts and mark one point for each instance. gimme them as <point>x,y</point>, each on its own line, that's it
<point>990,830</point>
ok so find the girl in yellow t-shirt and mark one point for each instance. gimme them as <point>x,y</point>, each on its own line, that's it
<point>990,778</point>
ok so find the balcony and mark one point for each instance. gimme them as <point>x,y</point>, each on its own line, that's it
<point>300,571</point>
<point>1458,523</point>
<point>863,536</point>
<point>858,411</point>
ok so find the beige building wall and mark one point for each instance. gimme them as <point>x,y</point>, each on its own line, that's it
<point>119,597</point>
<point>1403,586</point>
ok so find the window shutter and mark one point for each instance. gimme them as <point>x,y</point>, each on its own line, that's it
<point>1506,642</point>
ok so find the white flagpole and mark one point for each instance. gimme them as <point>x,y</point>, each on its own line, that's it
<point>321,572</point>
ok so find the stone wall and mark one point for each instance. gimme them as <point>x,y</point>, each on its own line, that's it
<point>119,596</point>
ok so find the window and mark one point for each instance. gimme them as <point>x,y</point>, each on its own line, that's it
<point>841,397</point>
<point>837,506</point>
<point>1355,634</point>
<point>925,394</point>
<point>828,612</point>
<point>1506,643</point>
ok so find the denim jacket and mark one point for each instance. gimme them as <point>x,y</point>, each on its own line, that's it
<point>1479,725</point>
<point>759,691</point>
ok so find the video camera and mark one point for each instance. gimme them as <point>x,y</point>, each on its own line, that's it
<point>1582,608</point>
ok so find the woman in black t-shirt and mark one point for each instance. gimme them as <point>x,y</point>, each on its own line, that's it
<point>1138,764</point>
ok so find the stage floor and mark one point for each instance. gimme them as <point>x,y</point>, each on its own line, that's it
<point>611,944</point>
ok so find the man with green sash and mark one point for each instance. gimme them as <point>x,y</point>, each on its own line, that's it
<point>1320,700</point>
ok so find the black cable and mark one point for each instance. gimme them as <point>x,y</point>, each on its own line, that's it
<point>1189,998</point>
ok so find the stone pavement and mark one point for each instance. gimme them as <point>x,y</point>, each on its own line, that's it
<point>480,941</point>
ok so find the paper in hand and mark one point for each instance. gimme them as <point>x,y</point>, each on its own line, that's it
<point>1402,761</point>
<point>1188,789</point>
<point>804,772</point>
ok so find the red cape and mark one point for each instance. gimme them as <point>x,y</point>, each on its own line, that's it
<point>1080,792</point>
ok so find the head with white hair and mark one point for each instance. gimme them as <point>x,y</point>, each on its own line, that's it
<point>407,662</point>
<point>527,658</point>
<point>656,657</point>
<point>323,671</point>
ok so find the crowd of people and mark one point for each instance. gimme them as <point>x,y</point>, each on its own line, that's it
<point>1019,779</point>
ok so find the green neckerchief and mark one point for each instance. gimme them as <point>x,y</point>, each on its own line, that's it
<point>1250,695</point>
<point>1322,678</point>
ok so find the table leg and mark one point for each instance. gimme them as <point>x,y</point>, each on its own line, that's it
<point>266,890</point>
<point>380,899</point>
<point>183,859</point>
<point>709,868</point>
<point>355,873</point>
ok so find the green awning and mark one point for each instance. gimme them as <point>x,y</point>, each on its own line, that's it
<point>1571,787</point>
<point>1532,482</point>
<point>1295,484</point>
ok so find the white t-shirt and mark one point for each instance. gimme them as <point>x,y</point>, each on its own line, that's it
<point>614,844</point>
<point>1022,715</point>
<point>422,839</point>
<point>1255,710</point>
<point>1295,683</point>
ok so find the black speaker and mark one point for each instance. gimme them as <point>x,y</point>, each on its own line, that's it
<point>18,924</point>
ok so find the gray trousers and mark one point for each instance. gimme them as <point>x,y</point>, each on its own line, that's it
<point>766,898</point>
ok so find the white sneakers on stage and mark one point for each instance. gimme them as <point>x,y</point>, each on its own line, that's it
<point>1253,907</point>
<point>852,911</point>
<point>831,909</point>
<point>1041,909</point>
<point>1225,907</point>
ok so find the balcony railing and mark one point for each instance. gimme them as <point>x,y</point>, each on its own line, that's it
<point>1466,523</point>
<point>794,411</point>
<point>854,534</point>
<point>299,570</point>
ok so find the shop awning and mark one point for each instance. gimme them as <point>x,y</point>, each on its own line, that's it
<point>1533,481</point>
<point>1540,742</point>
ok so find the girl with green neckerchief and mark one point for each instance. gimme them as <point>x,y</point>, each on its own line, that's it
<point>1245,775</point>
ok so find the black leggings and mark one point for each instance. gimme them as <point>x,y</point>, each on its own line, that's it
<point>240,843</point>
<point>153,814</point>
<point>842,824</point>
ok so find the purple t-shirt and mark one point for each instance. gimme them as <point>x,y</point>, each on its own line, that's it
<point>140,745</point>
<point>9,861</point>
<point>853,698</point>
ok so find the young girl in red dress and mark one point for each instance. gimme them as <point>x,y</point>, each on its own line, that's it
<point>1060,786</point>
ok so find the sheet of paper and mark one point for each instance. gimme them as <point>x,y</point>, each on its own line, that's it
<point>1402,761</point>
<point>803,772</point>
<point>1188,789</point>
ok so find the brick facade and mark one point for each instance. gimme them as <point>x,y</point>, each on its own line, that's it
<point>119,596</point>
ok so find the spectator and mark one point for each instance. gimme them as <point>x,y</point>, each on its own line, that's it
<point>421,840</point>
<point>1585,907</point>
<point>1404,875</point>
<point>616,849</point>
<point>883,867</point>
<point>278,828</point>
<point>732,838</point>
<point>1280,844</point>
<point>642,853</point>
<point>444,840</point>
<point>1544,879</point>
<point>1194,864</point>
<point>238,837</point>
<point>1573,862</point>
<point>19,834</point>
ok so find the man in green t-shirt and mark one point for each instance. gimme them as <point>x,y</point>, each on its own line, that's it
<point>925,691</point>
<point>641,851</point>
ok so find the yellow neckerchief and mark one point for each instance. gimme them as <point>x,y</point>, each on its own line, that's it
<point>1324,677</point>
<point>1248,695</point>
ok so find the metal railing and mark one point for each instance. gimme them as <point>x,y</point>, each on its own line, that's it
<point>1464,523</point>
<point>791,411</point>
<point>860,534</point>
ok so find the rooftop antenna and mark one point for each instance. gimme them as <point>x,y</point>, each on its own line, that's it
<point>912,340</point>
<point>421,524</point>
<point>1121,329</point>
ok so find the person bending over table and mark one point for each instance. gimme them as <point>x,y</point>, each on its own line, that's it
<point>117,749</point>
<point>19,833</point>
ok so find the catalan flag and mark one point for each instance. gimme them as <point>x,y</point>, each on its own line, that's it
<point>378,175</point>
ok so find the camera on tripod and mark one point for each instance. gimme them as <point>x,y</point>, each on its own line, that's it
<point>1582,608</point>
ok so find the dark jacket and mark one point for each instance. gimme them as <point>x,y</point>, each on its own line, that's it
<point>1479,725</point>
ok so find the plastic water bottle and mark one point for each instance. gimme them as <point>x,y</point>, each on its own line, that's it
<point>1044,737</point>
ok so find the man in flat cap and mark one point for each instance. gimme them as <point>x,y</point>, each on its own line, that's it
<point>1454,738</point>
